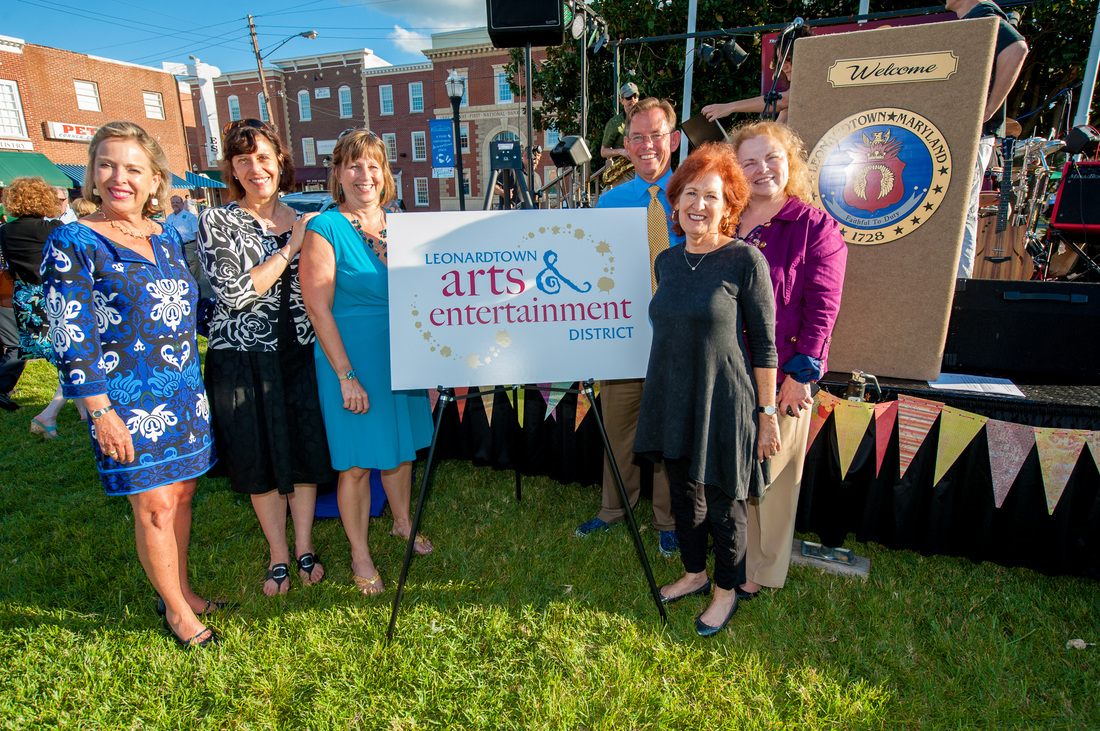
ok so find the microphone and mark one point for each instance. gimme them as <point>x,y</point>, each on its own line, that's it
<point>793,26</point>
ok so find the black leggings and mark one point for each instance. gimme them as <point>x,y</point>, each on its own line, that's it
<point>705,509</point>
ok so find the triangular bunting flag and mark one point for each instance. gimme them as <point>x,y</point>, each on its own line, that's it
<point>554,398</point>
<point>433,396</point>
<point>487,398</point>
<point>583,405</point>
<point>1058,453</point>
<point>824,402</point>
<point>851,418</point>
<point>510,392</point>
<point>461,391</point>
<point>957,429</point>
<point>1093,440</point>
<point>915,418</point>
<point>520,397</point>
<point>885,416</point>
<point>1009,446</point>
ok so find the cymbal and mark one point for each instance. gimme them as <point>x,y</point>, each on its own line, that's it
<point>1013,128</point>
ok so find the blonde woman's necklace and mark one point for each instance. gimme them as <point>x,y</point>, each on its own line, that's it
<point>378,246</point>
<point>132,233</point>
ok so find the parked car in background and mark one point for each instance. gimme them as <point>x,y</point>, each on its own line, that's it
<point>308,202</point>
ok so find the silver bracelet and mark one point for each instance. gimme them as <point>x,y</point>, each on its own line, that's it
<point>280,253</point>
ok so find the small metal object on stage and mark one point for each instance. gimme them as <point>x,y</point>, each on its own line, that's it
<point>857,386</point>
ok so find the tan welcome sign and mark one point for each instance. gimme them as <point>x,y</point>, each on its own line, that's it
<point>906,68</point>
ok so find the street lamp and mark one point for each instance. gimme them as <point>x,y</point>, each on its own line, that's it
<point>311,34</point>
<point>456,87</point>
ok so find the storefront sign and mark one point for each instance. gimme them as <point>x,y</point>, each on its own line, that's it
<point>496,297</point>
<point>16,145</point>
<point>69,131</point>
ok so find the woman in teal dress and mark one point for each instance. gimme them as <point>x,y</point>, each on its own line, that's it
<point>346,292</point>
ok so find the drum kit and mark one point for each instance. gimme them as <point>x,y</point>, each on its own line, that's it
<point>1018,238</point>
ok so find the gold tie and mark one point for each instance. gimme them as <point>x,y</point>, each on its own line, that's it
<point>657,221</point>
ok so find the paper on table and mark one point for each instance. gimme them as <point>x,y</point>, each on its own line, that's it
<point>976,384</point>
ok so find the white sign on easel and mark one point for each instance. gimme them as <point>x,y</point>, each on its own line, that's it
<point>531,296</point>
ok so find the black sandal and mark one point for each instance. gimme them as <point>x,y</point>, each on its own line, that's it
<point>278,573</point>
<point>306,562</point>
<point>211,607</point>
<point>212,640</point>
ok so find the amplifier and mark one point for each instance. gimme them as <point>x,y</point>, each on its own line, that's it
<point>1032,328</point>
<point>1077,205</point>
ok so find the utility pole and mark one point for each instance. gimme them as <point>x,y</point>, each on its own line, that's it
<point>260,66</point>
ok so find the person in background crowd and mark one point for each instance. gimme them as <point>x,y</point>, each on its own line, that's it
<point>187,225</point>
<point>806,256</point>
<point>346,291</point>
<point>650,137</point>
<point>756,104</point>
<point>33,204</point>
<point>83,208</point>
<point>67,215</point>
<point>259,362</point>
<point>708,410</point>
<point>11,365</point>
<point>122,322</point>
<point>1011,50</point>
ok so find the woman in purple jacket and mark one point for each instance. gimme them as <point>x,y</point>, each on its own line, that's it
<point>806,255</point>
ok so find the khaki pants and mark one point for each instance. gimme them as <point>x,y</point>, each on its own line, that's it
<point>771,520</point>
<point>621,401</point>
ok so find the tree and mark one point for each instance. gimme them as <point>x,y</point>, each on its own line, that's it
<point>1058,32</point>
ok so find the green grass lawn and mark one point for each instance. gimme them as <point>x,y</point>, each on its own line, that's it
<point>512,623</point>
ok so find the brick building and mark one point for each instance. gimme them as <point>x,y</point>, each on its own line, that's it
<point>52,101</point>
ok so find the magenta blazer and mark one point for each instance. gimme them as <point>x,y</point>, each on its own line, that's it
<point>807,256</point>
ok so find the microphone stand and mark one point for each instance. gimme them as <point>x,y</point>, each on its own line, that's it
<point>771,99</point>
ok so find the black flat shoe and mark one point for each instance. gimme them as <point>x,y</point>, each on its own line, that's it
<point>746,595</point>
<point>705,630</point>
<point>704,589</point>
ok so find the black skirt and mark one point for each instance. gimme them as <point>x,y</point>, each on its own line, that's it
<point>266,419</point>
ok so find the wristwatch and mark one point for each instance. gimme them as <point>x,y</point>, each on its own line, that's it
<point>98,413</point>
<point>349,377</point>
<point>769,410</point>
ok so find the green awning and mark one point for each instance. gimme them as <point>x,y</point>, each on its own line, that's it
<point>15,164</point>
<point>214,174</point>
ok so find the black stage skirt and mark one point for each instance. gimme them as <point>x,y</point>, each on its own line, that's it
<point>266,418</point>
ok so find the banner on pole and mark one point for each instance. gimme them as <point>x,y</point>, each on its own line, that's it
<point>485,297</point>
<point>443,143</point>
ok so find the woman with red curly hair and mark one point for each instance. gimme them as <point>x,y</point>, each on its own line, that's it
<point>708,409</point>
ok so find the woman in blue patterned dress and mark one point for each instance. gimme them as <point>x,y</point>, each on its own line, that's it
<point>346,292</point>
<point>121,303</point>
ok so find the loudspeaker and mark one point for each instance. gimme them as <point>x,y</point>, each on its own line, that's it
<point>1077,205</point>
<point>571,151</point>
<point>1083,139</point>
<point>515,23</point>
<point>1025,328</point>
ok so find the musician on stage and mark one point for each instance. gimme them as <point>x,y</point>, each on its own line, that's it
<point>612,145</point>
<point>756,104</point>
<point>1011,51</point>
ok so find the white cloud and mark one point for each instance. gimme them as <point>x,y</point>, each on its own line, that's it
<point>436,15</point>
<point>409,41</point>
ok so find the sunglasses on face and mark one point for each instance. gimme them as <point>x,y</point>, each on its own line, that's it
<point>245,123</point>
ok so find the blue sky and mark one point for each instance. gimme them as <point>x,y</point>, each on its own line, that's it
<point>217,31</point>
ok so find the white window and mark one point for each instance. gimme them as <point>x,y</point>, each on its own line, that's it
<point>385,99</point>
<point>263,107</point>
<point>390,141</point>
<point>421,185</point>
<point>466,181</point>
<point>305,114</point>
<point>416,96</point>
<point>420,147</point>
<point>11,111</point>
<point>154,104</point>
<point>465,90</point>
<point>464,137</point>
<point>504,91</point>
<point>346,110</point>
<point>309,151</point>
<point>87,95</point>
<point>234,108</point>
<point>553,137</point>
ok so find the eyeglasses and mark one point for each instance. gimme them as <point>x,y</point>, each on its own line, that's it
<point>655,138</point>
<point>349,130</point>
<point>248,123</point>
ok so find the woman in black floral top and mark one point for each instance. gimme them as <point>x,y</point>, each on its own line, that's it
<point>260,375</point>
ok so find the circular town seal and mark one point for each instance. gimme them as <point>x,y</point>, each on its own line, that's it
<point>881,174</point>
